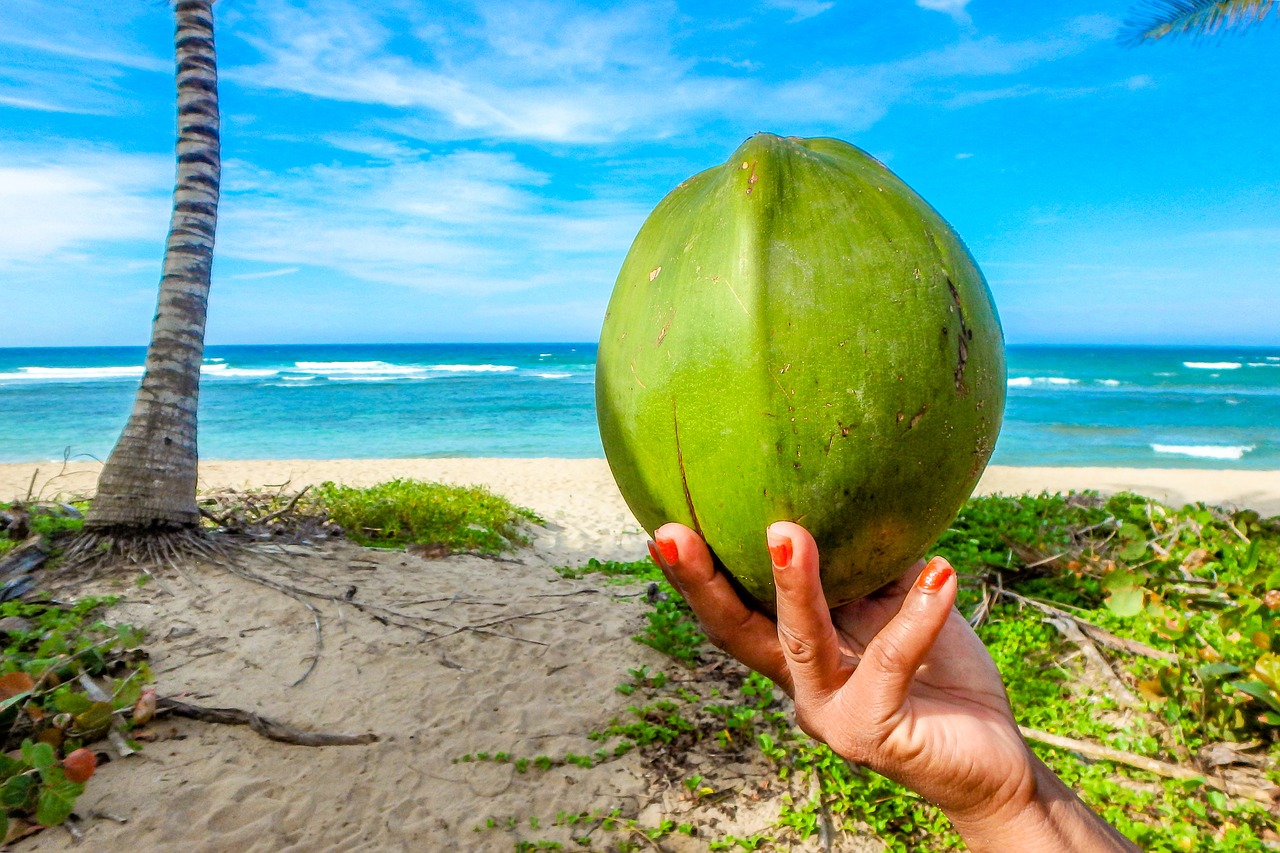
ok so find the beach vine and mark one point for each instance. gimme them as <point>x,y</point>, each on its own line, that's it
<point>1138,642</point>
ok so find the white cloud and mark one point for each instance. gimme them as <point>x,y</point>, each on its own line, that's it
<point>72,201</point>
<point>537,71</point>
<point>468,222</point>
<point>69,57</point>
<point>954,8</point>
<point>577,75</point>
<point>801,10</point>
<point>252,276</point>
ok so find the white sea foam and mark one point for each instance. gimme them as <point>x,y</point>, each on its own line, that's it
<point>351,368</point>
<point>224,370</point>
<point>66,374</point>
<point>1110,383</point>
<point>1205,451</point>
<point>552,375</point>
<point>1264,363</point>
<point>1212,365</point>
<point>1029,381</point>
<point>472,368</point>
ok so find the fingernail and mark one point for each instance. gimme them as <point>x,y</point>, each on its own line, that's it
<point>657,557</point>
<point>779,549</point>
<point>935,575</point>
<point>670,553</point>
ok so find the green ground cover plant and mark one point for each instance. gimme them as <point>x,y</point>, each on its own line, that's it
<point>404,512</point>
<point>67,680</point>
<point>1187,601</point>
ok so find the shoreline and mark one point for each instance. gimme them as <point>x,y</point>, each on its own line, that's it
<point>529,480</point>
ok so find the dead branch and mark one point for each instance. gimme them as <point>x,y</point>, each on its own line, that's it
<point>1124,697</point>
<point>288,508</point>
<point>1098,635</point>
<point>265,726</point>
<point>1151,765</point>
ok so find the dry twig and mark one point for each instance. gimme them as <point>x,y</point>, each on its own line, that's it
<point>265,726</point>
<point>1124,697</point>
<point>1151,765</point>
<point>1098,635</point>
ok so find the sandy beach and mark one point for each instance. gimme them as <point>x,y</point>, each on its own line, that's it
<point>518,659</point>
<point>584,489</point>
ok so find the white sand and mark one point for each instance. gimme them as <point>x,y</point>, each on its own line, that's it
<point>581,491</point>
<point>534,675</point>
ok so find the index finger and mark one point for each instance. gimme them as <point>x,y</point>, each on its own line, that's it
<point>729,624</point>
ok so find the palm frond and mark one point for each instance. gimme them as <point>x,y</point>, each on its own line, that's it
<point>1155,19</point>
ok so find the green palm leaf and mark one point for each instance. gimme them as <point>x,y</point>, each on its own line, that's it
<point>1156,19</point>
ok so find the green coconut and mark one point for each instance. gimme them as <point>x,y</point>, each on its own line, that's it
<point>797,335</point>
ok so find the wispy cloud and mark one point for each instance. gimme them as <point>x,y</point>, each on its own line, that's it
<point>252,276</point>
<point>526,71</point>
<point>583,75</point>
<point>68,57</point>
<point>473,222</point>
<point>801,10</point>
<point>954,8</point>
<point>65,202</point>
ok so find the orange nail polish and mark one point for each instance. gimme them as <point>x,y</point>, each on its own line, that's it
<point>780,550</point>
<point>935,575</point>
<point>670,553</point>
<point>657,558</point>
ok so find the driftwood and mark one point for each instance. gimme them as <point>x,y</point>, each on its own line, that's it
<point>1269,795</point>
<point>265,726</point>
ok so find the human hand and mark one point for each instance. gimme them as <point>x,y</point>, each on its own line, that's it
<point>897,681</point>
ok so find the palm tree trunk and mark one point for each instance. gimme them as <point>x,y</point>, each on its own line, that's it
<point>149,480</point>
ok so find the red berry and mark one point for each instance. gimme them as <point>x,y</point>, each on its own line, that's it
<point>79,765</point>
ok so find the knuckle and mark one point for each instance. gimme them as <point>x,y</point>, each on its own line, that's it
<point>798,650</point>
<point>891,648</point>
<point>715,638</point>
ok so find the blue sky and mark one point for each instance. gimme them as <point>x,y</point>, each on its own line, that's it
<point>455,172</point>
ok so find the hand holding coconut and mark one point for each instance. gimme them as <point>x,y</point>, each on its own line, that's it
<point>897,681</point>
<point>796,335</point>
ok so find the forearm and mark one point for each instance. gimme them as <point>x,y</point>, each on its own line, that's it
<point>1048,819</point>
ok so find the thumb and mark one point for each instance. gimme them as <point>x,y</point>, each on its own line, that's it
<point>897,651</point>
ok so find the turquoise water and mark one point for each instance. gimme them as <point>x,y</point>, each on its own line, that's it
<point>1144,407</point>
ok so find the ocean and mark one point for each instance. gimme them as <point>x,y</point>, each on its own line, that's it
<point>1151,407</point>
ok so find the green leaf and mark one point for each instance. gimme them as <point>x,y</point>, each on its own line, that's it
<point>56,802</point>
<point>1258,690</point>
<point>1217,670</point>
<point>1267,669</point>
<point>71,703</point>
<point>15,792</point>
<point>9,767</point>
<point>1125,601</point>
<point>1133,551</point>
<point>39,755</point>
<point>1129,532</point>
<point>14,700</point>
<point>94,722</point>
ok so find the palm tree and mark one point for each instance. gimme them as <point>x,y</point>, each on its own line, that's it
<point>1159,18</point>
<point>148,486</point>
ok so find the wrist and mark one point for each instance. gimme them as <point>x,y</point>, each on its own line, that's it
<point>1042,815</point>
